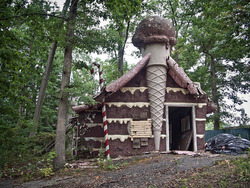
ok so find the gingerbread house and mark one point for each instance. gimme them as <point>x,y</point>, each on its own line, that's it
<point>154,107</point>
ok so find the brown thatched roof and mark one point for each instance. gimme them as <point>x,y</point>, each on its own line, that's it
<point>182,79</point>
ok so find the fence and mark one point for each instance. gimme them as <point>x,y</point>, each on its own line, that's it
<point>242,132</point>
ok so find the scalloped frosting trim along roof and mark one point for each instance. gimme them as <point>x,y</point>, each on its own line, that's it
<point>184,91</point>
<point>133,89</point>
<point>128,104</point>
<point>142,89</point>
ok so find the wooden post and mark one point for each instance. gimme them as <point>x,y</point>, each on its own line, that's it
<point>194,128</point>
<point>167,128</point>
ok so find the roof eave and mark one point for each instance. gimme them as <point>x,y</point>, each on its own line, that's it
<point>182,79</point>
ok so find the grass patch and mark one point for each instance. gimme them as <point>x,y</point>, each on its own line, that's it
<point>225,173</point>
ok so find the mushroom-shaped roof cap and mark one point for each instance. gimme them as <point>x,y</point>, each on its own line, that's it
<point>154,29</point>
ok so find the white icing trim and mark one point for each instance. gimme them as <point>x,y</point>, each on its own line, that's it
<point>114,137</point>
<point>184,91</point>
<point>121,137</point>
<point>120,120</point>
<point>182,104</point>
<point>100,139</point>
<point>146,104</point>
<point>133,89</point>
<point>124,137</point>
<point>200,135</point>
<point>200,105</point>
<point>128,104</point>
<point>142,89</point>
<point>200,119</point>
<point>94,124</point>
<point>163,136</point>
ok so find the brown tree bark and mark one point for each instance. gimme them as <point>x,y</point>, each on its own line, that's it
<point>59,161</point>
<point>43,88</point>
<point>121,49</point>
<point>215,94</point>
<point>120,56</point>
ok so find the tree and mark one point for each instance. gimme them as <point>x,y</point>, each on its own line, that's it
<point>210,35</point>
<point>25,28</point>
<point>63,101</point>
<point>22,36</point>
<point>122,13</point>
<point>213,34</point>
<point>43,88</point>
<point>46,79</point>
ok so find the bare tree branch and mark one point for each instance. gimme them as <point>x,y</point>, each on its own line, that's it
<point>34,14</point>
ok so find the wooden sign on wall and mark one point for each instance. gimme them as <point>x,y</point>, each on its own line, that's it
<point>140,129</point>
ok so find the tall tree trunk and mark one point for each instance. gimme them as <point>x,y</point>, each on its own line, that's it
<point>176,55</point>
<point>121,49</point>
<point>120,55</point>
<point>215,94</point>
<point>20,110</point>
<point>46,75</point>
<point>43,88</point>
<point>174,22</point>
<point>63,101</point>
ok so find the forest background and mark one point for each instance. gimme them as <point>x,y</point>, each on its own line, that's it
<point>46,53</point>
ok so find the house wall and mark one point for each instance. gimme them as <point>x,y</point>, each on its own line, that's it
<point>90,133</point>
<point>131,102</point>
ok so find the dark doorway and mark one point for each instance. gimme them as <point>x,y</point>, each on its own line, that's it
<point>180,128</point>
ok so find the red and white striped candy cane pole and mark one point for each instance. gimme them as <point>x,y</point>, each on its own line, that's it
<point>100,74</point>
<point>104,116</point>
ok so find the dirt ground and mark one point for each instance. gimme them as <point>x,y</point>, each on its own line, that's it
<point>152,170</point>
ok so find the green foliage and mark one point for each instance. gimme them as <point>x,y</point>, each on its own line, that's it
<point>13,147</point>
<point>81,74</point>
<point>110,71</point>
<point>47,170</point>
<point>107,164</point>
<point>25,39</point>
<point>16,148</point>
<point>18,154</point>
<point>225,173</point>
<point>242,170</point>
<point>122,11</point>
<point>35,169</point>
<point>103,163</point>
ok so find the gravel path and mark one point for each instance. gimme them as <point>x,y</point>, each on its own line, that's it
<point>156,170</point>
